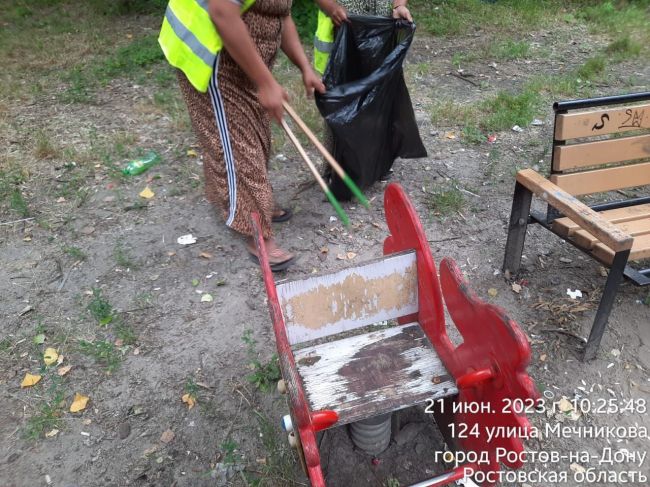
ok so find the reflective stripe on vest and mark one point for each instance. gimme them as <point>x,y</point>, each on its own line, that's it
<point>190,41</point>
<point>323,42</point>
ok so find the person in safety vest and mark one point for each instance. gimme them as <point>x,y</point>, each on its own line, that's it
<point>224,51</point>
<point>333,12</point>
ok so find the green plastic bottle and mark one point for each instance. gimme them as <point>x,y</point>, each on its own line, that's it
<point>141,164</point>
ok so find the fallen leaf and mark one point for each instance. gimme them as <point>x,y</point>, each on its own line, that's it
<point>351,255</point>
<point>492,292</point>
<point>52,433</point>
<point>39,339</point>
<point>167,436</point>
<point>577,468</point>
<point>324,250</point>
<point>59,361</point>
<point>146,193</point>
<point>60,200</point>
<point>207,298</point>
<point>79,403</point>
<point>341,256</point>
<point>119,342</point>
<point>450,135</point>
<point>30,380</point>
<point>195,282</point>
<point>189,400</point>
<point>50,356</point>
<point>516,287</point>
<point>565,405</point>
<point>191,153</point>
<point>206,255</point>
<point>542,357</point>
<point>64,370</point>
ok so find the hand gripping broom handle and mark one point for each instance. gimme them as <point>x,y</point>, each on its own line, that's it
<point>328,157</point>
<point>332,199</point>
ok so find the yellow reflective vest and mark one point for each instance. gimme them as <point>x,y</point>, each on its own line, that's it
<point>190,41</point>
<point>323,42</point>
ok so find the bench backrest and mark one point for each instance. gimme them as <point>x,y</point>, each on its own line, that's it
<point>599,147</point>
<point>319,306</point>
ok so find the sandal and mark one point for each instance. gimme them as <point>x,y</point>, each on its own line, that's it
<point>286,215</point>
<point>275,267</point>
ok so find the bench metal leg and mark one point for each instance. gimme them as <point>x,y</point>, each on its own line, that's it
<point>517,228</point>
<point>606,303</point>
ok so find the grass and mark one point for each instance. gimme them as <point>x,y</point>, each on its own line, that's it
<point>12,177</point>
<point>18,204</point>
<point>132,60</point>
<point>264,376</point>
<point>43,146</point>
<point>191,388</point>
<point>509,50</point>
<point>124,332</point>
<point>505,110</point>
<point>472,135</point>
<point>279,466</point>
<point>123,257</point>
<point>75,252</point>
<point>445,199</point>
<point>499,50</point>
<point>457,17</point>
<point>47,415</point>
<point>623,48</point>
<point>100,308</point>
<point>103,352</point>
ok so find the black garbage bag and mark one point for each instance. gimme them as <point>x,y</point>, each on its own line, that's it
<point>367,105</point>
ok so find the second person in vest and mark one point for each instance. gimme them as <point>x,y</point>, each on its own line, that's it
<point>232,119</point>
<point>334,12</point>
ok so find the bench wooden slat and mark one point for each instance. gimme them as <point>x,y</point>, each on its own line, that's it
<point>601,152</point>
<point>575,209</point>
<point>634,228</point>
<point>566,226</point>
<point>602,122</point>
<point>640,250</point>
<point>379,290</point>
<point>374,373</point>
<point>600,180</point>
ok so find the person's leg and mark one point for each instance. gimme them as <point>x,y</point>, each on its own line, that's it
<point>245,132</point>
<point>232,183</point>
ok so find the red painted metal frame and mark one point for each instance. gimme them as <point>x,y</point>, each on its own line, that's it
<point>306,423</point>
<point>489,366</point>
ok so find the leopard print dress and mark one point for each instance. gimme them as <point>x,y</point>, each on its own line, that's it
<point>233,129</point>
<point>368,7</point>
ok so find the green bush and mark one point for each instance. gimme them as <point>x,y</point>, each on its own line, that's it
<point>305,15</point>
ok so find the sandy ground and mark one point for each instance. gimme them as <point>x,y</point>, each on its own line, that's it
<point>117,441</point>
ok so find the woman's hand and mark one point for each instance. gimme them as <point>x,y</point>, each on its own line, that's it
<point>338,14</point>
<point>402,12</point>
<point>271,96</point>
<point>312,82</point>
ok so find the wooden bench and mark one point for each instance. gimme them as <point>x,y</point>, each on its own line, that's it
<point>601,146</point>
